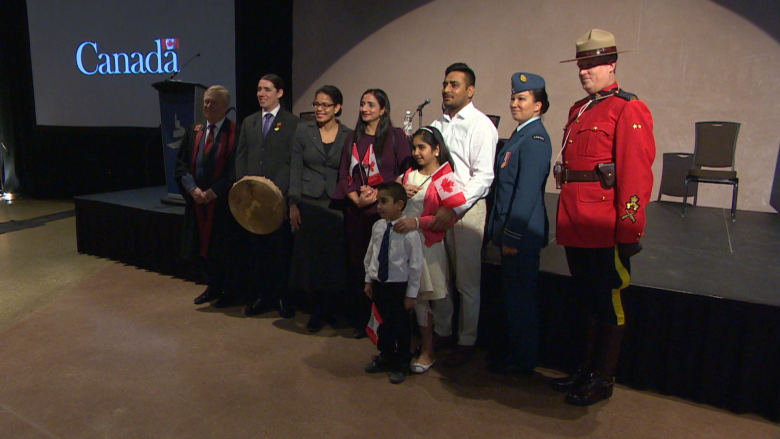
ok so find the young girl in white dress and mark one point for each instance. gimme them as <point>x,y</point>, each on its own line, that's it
<point>432,159</point>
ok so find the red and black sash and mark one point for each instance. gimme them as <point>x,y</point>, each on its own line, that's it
<point>206,216</point>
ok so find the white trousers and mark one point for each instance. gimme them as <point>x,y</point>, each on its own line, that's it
<point>464,248</point>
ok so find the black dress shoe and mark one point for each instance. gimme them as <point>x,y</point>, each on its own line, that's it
<point>258,307</point>
<point>286,311</point>
<point>569,382</point>
<point>593,391</point>
<point>398,376</point>
<point>210,294</point>
<point>315,323</point>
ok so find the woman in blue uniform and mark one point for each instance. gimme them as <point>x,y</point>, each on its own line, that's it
<point>518,223</point>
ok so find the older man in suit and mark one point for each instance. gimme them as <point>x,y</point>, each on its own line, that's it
<point>205,172</point>
<point>264,150</point>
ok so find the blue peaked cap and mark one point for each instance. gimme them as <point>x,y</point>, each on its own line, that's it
<point>522,81</point>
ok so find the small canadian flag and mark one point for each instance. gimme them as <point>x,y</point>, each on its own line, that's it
<point>368,165</point>
<point>372,329</point>
<point>171,43</point>
<point>372,169</point>
<point>449,191</point>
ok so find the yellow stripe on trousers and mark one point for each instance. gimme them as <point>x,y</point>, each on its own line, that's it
<point>617,303</point>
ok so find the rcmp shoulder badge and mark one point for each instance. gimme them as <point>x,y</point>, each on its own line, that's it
<point>539,138</point>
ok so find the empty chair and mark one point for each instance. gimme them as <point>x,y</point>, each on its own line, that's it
<point>308,116</point>
<point>495,119</point>
<point>716,143</point>
<point>676,166</point>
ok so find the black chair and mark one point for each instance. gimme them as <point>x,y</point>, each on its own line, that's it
<point>495,119</point>
<point>716,144</point>
<point>307,116</point>
<point>676,166</point>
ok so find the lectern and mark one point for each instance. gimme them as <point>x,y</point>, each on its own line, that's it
<point>181,105</point>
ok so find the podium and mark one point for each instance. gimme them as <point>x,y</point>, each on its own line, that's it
<point>181,105</point>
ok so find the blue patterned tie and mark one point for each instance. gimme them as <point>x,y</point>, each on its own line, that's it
<point>384,254</point>
<point>267,123</point>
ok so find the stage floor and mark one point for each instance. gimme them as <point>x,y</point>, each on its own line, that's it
<point>703,253</point>
<point>145,199</point>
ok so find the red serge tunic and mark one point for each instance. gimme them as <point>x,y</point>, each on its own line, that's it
<point>617,129</point>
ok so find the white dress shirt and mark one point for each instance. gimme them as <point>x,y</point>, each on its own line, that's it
<point>405,257</point>
<point>275,111</point>
<point>471,138</point>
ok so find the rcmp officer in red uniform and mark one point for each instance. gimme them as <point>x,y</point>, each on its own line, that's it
<point>605,179</point>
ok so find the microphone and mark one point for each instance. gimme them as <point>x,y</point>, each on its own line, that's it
<point>185,65</point>
<point>427,101</point>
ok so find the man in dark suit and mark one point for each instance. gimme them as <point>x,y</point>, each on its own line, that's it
<point>205,172</point>
<point>264,150</point>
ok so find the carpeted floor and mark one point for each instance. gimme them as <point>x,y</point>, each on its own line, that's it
<point>125,354</point>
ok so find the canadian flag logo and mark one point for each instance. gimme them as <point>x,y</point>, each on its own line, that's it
<point>447,187</point>
<point>171,43</point>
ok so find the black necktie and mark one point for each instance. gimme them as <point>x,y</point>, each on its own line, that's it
<point>384,254</point>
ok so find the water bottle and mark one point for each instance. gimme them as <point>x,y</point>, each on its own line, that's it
<point>408,123</point>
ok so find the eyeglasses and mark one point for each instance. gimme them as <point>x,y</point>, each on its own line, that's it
<point>323,105</point>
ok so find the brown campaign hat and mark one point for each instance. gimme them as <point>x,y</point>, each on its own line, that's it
<point>595,43</point>
<point>257,204</point>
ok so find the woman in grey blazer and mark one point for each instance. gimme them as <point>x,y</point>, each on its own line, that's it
<point>319,253</point>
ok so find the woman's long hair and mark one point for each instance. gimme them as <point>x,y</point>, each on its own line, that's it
<point>382,128</point>
<point>433,137</point>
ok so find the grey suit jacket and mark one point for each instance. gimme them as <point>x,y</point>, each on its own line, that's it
<point>269,157</point>
<point>312,172</point>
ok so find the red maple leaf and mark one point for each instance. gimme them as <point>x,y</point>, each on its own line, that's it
<point>447,185</point>
<point>371,166</point>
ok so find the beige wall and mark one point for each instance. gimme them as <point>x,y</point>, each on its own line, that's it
<point>693,60</point>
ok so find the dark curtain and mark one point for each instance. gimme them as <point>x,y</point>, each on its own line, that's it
<point>17,107</point>
<point>263,46</point>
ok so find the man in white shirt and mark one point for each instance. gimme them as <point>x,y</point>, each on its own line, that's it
<point>471,138</point>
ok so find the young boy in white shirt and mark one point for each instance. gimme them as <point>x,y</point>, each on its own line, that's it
<point>393,265</point>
